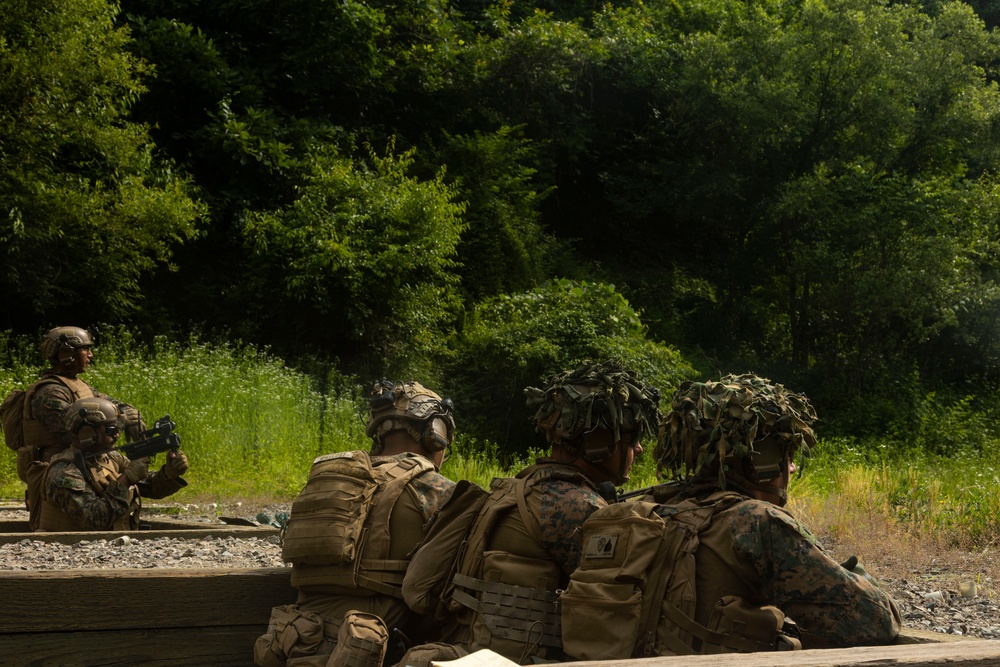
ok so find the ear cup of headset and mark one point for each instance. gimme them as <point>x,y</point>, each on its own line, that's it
<point>87,435</point>
<point>436,435</point>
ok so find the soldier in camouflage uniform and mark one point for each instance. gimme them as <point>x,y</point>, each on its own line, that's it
<point>505,591</point>
<point>349,546</point>
<point>68,350</point>
<point>91,486</point>
<point>731,445</point>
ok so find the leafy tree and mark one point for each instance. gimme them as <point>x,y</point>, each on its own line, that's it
<point>87,209</point>
<point>504,248</point>
<point>818,165</point>
<point>513,341</point>
<point>368,247</point>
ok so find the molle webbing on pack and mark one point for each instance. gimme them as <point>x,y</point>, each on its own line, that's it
<point>518,613</point>
<point>338,534</point>
<point>524,608</point>
<point>36,435</point>
<point>634,592</point>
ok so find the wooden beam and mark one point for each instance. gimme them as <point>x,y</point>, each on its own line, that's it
<point>971,653</point>
<point>176,647</point>
<point>140,599</point>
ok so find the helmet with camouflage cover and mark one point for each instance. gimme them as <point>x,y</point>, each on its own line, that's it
<point>742,431</point>
<point>86,415</point>
<point>411,407</point>
<point>58,344</point>
<point>591,396</point>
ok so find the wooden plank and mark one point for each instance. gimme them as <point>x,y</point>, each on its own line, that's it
<point>132,599</point>
<point>972,653</point>
<point>180,647</point>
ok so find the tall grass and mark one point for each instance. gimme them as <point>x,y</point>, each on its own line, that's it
<point>251,426</point>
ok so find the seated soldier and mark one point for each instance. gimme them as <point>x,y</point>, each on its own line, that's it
<point>525,541</point>
<point>91,486</point>
<point>351,531</point>
<point>761,581</point>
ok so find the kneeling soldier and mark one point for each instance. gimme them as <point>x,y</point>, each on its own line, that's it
<point>91,486</point>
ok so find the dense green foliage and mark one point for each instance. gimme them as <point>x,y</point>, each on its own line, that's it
<point>807,190</point>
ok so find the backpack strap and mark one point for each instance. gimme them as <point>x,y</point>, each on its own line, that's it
<point>376,571</point>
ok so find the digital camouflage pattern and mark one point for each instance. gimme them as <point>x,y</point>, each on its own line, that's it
<point>759,551</point>
<point>99,503</point>
<point>562,507</point>
<point>713,426</point>
<point>49,403</point>
<point>66,487</point>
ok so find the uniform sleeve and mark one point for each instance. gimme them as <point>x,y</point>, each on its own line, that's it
<point>432,490</point>
<point>66,487</point>
<point>564,508</point>
<point>832,606</point>
<point>156,485</point>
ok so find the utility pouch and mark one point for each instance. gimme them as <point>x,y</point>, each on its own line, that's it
<point>739,623</point>
<point>291,633</point>
<point>361,642</point>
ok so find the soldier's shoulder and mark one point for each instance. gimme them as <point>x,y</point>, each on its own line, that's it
<point>65,475</point>
<point>760,515</point>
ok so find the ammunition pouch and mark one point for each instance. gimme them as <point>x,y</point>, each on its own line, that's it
<point>362,641</point>
<point>291,633</point>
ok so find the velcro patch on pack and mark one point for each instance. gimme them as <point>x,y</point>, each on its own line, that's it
<point>600,546</point>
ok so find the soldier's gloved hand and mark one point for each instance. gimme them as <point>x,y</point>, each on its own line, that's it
<point>130,422</point>
<point>136,471</point>
<point>850,563</point>
<point>853,565</point>
<point>176,465</point>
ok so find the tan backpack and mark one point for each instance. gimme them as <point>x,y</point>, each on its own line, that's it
<point>11,417</point>
<point>634,595</point>
<point>338,532</point>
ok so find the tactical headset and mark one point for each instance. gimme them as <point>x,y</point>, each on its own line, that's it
<point>411,407</point>
<point>87,416</point>
<point>61,343</point>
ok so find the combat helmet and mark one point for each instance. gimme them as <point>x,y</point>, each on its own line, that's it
<point>742,431</point>
<point>411,407</point>
<point>58,344</point>
<point>591,396</point>
<point>85,415</point>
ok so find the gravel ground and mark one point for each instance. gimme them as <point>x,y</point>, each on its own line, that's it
<point>930,597</point>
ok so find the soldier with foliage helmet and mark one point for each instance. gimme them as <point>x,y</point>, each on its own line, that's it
<point>350,533</point>
<point>69,352</point>
<point>730,445</point>
<point>92,486</point>
<point>525,541</point>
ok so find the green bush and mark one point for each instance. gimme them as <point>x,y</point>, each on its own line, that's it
<point>513,341</point>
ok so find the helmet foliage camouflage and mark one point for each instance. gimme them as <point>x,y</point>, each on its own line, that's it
<point>85,415</point>
<point>742,428</point>
<point>59,343</point>
<point>594,395</point>
<point>411,407</point>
